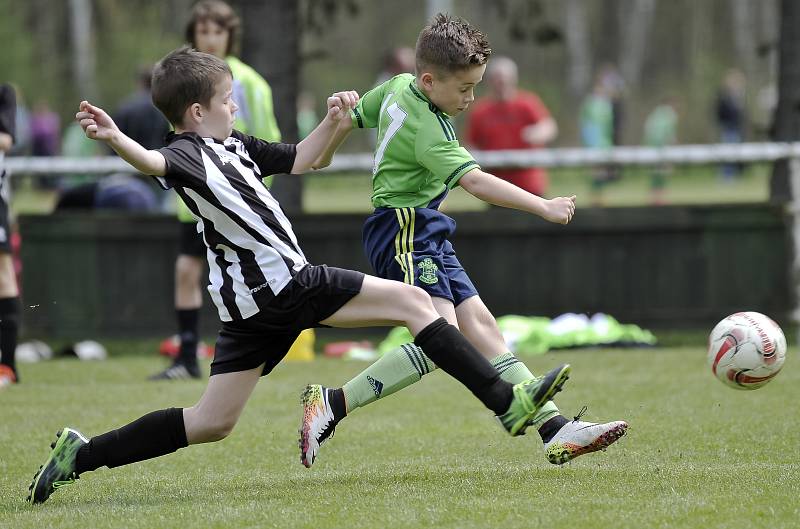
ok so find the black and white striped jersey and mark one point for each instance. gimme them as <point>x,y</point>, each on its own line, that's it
<point>252,250</point>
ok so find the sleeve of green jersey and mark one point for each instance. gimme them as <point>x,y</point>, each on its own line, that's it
<point>449,161</point>
<point>366,113</point>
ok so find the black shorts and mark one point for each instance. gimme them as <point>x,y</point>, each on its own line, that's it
<point>314,294</point>
<point>191,241</point>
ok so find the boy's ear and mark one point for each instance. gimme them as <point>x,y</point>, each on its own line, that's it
<point>426,79</point>
<point>194,114</point>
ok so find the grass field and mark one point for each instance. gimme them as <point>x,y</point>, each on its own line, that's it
<point>698,454</point>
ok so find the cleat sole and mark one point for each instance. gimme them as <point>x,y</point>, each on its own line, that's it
<point>568,453</point>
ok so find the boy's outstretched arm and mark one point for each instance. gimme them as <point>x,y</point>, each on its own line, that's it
<point>495,191</point>
<point>342,131</point>
<point>98,125</point>
<point>315,144</point>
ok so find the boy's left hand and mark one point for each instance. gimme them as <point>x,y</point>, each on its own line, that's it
<point>341,103</point>
<point>560,209</point>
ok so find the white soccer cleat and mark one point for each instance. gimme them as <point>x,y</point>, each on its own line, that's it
<point>578,437</point>
<point>318,423</point>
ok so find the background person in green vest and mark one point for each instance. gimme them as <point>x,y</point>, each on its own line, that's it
<point>213,28</point>
<point>660,130</point>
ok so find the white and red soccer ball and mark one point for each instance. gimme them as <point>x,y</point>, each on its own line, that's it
<point>746,350</point>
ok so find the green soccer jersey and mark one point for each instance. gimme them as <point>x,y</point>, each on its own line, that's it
<point>418,157</point>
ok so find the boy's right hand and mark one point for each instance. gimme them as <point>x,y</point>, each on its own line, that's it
<point>560,209</point>
<point>95,122</point>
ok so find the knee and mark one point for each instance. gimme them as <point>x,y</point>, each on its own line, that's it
<point>416,298</point>
<point>210,429</point>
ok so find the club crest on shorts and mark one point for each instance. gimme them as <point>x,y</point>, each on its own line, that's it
<point>428,271</point>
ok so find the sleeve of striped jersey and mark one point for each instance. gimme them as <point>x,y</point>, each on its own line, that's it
<point>184,164</point>
<point>8,110</point>
<point>449,161</point>
<point>271,158</point>
<point>368,109</point>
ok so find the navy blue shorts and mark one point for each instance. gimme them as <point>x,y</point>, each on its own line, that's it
<point>410,245</point>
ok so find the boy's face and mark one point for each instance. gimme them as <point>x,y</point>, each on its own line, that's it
<point>210,37</point>
<point>454,91</point>
<point>216,120</point>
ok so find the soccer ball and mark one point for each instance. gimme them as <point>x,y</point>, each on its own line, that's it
<point>746,350</point>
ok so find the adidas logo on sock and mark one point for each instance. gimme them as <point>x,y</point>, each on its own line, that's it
<point>377,385</point>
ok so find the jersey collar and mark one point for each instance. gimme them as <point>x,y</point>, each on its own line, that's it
<point>422,97</point>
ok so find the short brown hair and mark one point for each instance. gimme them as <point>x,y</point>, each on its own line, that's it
<point>449,44</point>
<point>215,11</point>
<point>184,77</point>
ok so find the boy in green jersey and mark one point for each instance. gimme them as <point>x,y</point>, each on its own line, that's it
<point>417,161</point>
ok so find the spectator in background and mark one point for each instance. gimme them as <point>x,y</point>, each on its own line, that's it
<point>510,118</point>
<point>730,116</point>
<point>660,130</point>
<point>615,88</point>
<point>45,138</point>
<point>138,119</point>
<point>45,130</point>
<point>121,192</point>
<point>398,60</point>
<point>9,292</point>
<point>597,130</point>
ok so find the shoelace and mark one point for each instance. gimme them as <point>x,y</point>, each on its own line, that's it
<point>580,414</point>
<point>64,483</point>
<point>523,397</point>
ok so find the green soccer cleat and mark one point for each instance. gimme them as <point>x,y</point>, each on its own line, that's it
<point>529,397</point>
<point>59,469</point>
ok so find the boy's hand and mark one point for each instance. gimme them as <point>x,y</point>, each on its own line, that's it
<point>560,209</point>
<point>95,122</point>
<point>341,103</point>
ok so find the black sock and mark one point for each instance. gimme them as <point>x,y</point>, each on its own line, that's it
<point>156,434</point>
<point>188,321</point>
<point>9,331</point>
<point>336,399</point>
<point>551,427</point>
<point>451,351</point>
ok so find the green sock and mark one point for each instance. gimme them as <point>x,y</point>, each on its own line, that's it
<point>513,371</point>
<point>392,372</point>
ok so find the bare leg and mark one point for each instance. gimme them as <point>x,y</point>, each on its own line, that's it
<point>409,306</point>
<point>188,271</point>
<point>9,320</point>
<point>480,327</point>
<point>218,410</point>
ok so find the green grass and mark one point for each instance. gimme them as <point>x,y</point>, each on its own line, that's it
<point>698,454</point>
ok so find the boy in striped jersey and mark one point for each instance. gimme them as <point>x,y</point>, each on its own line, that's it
<point>417,161</point>
<point>264,289</point>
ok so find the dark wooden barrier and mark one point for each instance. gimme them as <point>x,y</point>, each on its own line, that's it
<point>93,275</point>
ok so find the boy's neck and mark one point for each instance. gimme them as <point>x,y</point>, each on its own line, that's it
<point>196,130</point>
<point>421,89</point>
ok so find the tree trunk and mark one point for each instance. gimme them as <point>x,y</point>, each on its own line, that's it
<point>636,19</point>
<point>83,58</point>
<point>270,44</point>
<point>744,35</point>
<point>787,114</point>
<point>580,57</point>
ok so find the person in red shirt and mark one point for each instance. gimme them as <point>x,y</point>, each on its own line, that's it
<point>511,118</point>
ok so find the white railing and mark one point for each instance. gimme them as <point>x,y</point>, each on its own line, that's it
<point>566,157</point>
